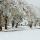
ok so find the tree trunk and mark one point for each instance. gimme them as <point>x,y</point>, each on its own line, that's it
<point>0,28</point>
<point>30,25</point>
<point>1,19</point>
<point>16,25</point>
<point>12,23</point>
<point>6,22</point>
<point>0,24</point>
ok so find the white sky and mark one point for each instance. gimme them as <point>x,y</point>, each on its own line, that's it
<point>34,2</point>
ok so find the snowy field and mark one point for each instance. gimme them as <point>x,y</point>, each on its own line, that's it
<point>30,34</point>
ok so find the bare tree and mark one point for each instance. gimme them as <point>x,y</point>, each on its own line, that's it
<point>17,16</point>
<point>1,13</point>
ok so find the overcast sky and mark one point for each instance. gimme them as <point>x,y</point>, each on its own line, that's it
<point>34,2</point>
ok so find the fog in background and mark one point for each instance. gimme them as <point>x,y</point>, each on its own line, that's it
<point>36,4</point>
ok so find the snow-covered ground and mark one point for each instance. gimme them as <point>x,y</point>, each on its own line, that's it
<point>31,34</point>
<point>20,33</point>
<point>20,28</point>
